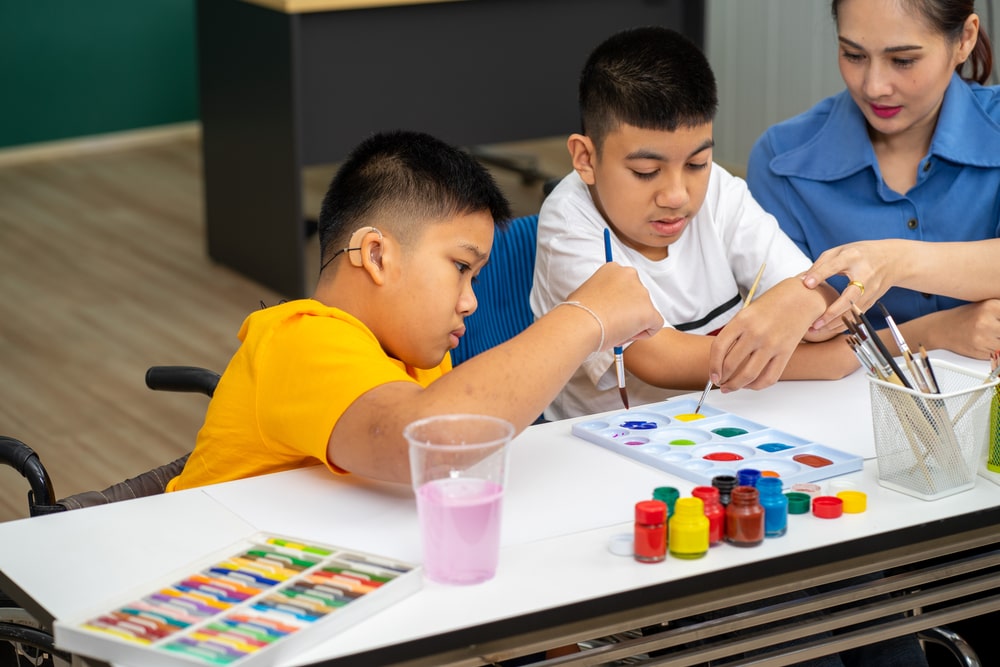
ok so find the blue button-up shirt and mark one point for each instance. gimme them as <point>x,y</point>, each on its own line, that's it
<point>818,175</point>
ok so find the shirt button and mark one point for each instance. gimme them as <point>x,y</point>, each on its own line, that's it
<point>927,166</point>
<point>912,223</point>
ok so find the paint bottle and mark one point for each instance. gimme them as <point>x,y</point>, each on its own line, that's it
<point>714,512</point>
<point>669,496</point>
<point>775,506</point>
<point>747,477</point>
<point>725,484</point>
<point>744,518</point>
<point>650,544</point>
<point>689,529</point>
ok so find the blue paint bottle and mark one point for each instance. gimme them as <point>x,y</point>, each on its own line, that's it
<point>747,477</point>
<point>775,505</point>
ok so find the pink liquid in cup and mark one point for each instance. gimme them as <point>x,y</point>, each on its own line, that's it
<point>460,528</point>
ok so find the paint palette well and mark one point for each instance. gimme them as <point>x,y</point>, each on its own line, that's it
<point>669,436</point>
<point>253,604</point>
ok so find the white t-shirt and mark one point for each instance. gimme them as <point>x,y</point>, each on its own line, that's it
<point>697,289</point>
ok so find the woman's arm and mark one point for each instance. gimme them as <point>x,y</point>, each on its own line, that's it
<point>962,270</point>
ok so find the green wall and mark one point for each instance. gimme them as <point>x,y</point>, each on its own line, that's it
<point>71,68</point>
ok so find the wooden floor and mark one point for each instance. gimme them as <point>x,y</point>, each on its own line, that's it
<point>103,273</point>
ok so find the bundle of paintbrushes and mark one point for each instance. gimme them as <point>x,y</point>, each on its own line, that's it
<point>936,454</point>
<point>876,359</point>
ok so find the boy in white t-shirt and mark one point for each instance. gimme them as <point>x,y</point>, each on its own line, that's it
<point>643,168</point>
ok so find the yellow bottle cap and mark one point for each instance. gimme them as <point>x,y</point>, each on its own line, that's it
<point>855,502</point>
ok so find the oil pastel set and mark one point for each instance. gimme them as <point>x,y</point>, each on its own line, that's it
<point>259,600</point>
<point>698,446</point>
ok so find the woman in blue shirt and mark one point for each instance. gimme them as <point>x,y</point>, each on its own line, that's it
<point>893,185</point>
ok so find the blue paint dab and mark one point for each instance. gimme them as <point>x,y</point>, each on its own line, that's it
<point>639,425</point>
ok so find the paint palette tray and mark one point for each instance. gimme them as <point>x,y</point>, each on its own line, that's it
<point>261,600</point>
<point>669,436</point>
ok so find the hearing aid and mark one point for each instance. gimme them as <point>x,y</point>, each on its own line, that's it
<point>375,254</point>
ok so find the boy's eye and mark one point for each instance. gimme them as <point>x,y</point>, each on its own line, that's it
<point>645,175</point>
<point>697,166</point>
<point>462,267</point>
<point>852,57</point>
<point>903,62</point>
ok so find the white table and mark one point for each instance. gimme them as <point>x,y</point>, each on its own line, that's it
<point>557,581</point>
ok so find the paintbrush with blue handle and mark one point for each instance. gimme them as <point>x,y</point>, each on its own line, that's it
<point>619,360</point>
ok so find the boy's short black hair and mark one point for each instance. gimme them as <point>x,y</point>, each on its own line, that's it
<point>653,78</point>
<point>411,177</point>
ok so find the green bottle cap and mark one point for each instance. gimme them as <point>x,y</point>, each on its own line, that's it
<point>798,502</point>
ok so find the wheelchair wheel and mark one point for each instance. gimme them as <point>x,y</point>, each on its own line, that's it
<point>23,643</point>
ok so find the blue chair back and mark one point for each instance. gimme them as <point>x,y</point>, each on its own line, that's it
<point>502,290</point>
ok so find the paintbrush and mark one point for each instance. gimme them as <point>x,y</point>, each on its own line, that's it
<point>861,352</point>
<point>865,348</point>
<point>915,371</point>
<point>866,326</point>
<point>619,352</point>
<point>928,369</point>
<point>746,302</point>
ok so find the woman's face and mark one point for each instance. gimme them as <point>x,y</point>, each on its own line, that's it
<point>895,65</point>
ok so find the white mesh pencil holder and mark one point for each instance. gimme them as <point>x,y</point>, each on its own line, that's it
<point>930,445</point>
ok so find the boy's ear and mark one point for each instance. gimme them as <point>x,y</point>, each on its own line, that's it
<point>369,255</point>
<point>584,156</point>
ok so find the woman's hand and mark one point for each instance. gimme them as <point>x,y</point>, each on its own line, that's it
<point>870,267</point>
<point>972,330</point>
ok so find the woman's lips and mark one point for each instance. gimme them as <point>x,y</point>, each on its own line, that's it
<point>885,111</point>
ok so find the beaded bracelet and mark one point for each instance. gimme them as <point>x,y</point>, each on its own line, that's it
<point>600,346</point>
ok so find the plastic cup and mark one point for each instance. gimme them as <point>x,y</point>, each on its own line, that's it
<point>459,464</point>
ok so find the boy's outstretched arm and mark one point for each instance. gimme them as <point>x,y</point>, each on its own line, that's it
<point>671,359</point>
<point>753,350</point>
<point>515,380</point>
<point>676,360</point>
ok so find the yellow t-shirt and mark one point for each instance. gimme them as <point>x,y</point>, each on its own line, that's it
<point>300,365</point>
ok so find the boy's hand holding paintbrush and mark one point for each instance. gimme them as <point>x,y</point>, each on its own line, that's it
<point>755,349</point>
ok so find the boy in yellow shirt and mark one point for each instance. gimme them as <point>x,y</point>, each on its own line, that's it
<point>405,227</point>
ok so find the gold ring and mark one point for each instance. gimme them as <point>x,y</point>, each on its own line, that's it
<point>860,285</point>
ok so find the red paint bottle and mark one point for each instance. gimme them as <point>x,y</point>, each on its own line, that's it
<point>714,510</point>
<point>744,518</point>
<point>650,531</point>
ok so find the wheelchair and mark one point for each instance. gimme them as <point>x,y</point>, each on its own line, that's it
<point>22,639</point>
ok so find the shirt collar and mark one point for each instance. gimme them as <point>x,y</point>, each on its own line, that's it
<point>965,134</point>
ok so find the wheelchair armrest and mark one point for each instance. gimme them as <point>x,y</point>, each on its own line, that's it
<point>23,458</point>
<point>182,378</point>
<point>150,483</point>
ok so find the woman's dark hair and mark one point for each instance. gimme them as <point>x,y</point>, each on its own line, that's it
<point>948,18</point>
